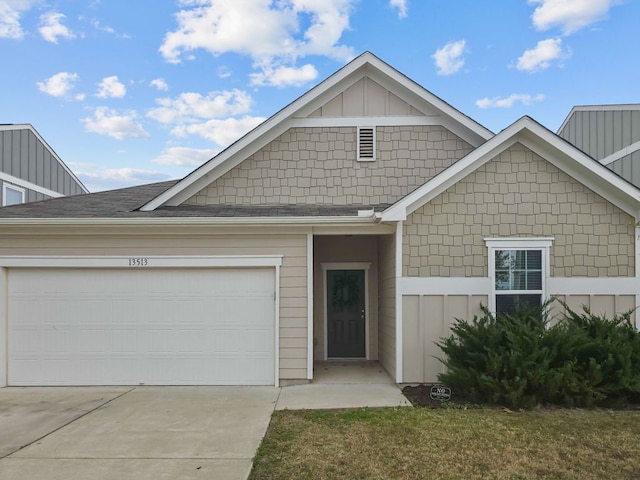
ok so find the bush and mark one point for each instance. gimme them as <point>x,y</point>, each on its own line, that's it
<point>519,360</point>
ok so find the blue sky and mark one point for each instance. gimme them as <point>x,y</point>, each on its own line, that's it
<point>135,91</point>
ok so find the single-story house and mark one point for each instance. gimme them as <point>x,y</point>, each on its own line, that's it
<point>356,223</point>
<point>30,170</point>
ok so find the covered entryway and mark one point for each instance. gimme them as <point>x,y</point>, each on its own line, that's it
<point>155,326</point>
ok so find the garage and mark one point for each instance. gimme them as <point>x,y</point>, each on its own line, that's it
<point>141,326</point>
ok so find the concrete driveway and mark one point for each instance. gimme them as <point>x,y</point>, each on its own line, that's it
<point>132,433</point>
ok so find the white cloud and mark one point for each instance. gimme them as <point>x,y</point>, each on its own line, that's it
<point>98,179</point>
<point>51,27</point>
<point>448,59</point>
<point>184,156</point>
<point>224,72</point>
<point>542,55</point>
<point>59,85</point>
<point>119,126</point>
<point>191,107</point>
<point>222,132</point>
<point>285,76</point>
<point>510,101</point>
<point>110,87</point>
<point>107,29</point>
<point>569,15</point>
<point>401,5</point>
<point>280,32</point>
<point>160,84</point>
<point>10,11</point>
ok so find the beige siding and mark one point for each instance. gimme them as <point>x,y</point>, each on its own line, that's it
<point>608,305</point>
<point>518,194</point>
<point>365,98</point>
<point>293,273</point>
<point>340,249</point>
<point>318,166</point>
<point>425,320</point>
<point>387,303</point>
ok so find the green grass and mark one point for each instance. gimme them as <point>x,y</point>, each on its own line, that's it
<point>415,443</point>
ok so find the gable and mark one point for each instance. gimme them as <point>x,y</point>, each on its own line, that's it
<point>365,84</point>
<point>366,98</point>
<point>518,194</point>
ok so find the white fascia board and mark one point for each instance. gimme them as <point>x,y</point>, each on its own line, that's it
<point>142,262</point>
<point>444,285</point>
<point>27,126</point>
<point>593,286</point>
<point>634,147</point>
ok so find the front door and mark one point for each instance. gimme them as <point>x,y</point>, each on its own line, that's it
<point>346,314</point>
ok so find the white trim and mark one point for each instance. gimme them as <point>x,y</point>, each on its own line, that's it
<point>399,320</point>
<point>364,266</point>
<point>623,152</point>
<point>593,286</point>
<point>7,186</point>
<point>152,261</point>
<point>310,329</point>
<point>367,65</point>
<point>541,141</point>
<point>543,244</point>
<point>276,327</point>
<point>390,121</point>
<point>26,126</point>
<point>5,177</point>
<point>4,329</point>
<point>444,286</point>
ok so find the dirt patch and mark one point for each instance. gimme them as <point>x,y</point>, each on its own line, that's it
<point>422,396</point>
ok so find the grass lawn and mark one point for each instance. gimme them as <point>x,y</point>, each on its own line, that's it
<point>415,443</point>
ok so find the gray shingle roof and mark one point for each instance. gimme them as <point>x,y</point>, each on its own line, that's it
<point>125,202</point>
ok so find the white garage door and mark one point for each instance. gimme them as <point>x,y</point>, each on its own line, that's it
<point>129,327</point>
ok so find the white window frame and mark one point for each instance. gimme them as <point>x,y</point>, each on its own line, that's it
<point>541,244</point>
<point>375,144</point>
<point>7,186</point>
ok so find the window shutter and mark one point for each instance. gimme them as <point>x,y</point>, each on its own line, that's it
<point>366,144</point>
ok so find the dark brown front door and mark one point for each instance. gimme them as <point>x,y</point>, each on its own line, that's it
<point>345,314</point>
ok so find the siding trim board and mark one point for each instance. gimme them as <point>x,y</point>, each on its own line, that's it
<point>28,185</point>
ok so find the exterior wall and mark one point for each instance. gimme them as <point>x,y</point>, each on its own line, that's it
<point>387,303</point>
<point>518,194</point>
<point>425,320</point>
<point>318,166</point>
<point>365,98</point>
<point>601,132</point>
<point>607,305</point>
<point>337,249</point>
<point>628,167</point>
<point>24,156</point>
<point>293,272</point>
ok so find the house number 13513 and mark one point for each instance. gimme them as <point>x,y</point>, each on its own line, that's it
<point>138,262</point>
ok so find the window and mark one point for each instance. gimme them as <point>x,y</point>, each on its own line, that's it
<point>12,195</point>
<point>518,269</point>
<point>366,144</point>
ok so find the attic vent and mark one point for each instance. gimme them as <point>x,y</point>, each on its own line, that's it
<point>366,144</point>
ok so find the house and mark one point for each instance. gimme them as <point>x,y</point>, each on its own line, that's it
<point>610,134</point>
<point>30,170</point>
<point>356,223</point>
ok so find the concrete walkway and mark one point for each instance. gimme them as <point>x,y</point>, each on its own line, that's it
<point>344,385</point>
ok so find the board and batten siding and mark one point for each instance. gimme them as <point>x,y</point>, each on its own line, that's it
<point>518,194</point>
<point>293,272</point>
<point>318,166</point>
<point>387,303</point>
<point>24,156</point>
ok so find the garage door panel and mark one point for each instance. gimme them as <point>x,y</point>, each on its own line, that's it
<point>155,326</point>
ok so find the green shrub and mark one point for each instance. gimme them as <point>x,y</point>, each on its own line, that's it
<point>519,360</point>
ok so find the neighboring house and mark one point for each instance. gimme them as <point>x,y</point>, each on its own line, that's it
<point>357,222</point>
<point>30,170</point>
<point>608,133</point>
